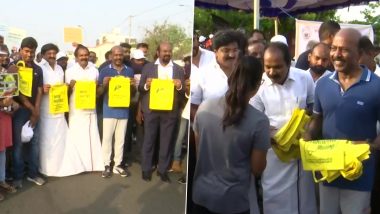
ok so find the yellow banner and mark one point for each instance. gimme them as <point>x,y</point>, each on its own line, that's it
<point>323,154</point>
<point>85,94</point>
<point>73,34</point>
<point>58,101</point>
<point>119,93</point>
<point>161,94</point>
<point>26,79</point>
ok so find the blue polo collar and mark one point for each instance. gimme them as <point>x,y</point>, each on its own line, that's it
<point>365,77</point>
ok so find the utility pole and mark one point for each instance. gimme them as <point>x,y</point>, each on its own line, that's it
<point>130,29</point>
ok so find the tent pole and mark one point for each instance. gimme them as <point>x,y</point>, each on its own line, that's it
<point>256,14</point>
<point>275,26</point>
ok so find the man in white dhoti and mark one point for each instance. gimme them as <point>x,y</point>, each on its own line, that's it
<point>83,131</point>
<point>287,188</point>
<point>53,126</point>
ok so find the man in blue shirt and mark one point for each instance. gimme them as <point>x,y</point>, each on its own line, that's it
<point>115,119</point>
<point>347,106</point>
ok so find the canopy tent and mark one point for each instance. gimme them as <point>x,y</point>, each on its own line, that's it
<point>275,8</point>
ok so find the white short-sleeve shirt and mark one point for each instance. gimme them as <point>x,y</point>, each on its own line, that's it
<point>278,101</point>
<point>210,82</point>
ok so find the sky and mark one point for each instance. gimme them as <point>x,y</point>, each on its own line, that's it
<point>352,13</point>
<point>46,19</point>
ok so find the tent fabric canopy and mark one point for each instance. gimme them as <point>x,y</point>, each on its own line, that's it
<point>274,8</point>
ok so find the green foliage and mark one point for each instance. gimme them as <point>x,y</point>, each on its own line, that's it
<point>370,18</point>
<point>182,43</point>
<point>239,19</point>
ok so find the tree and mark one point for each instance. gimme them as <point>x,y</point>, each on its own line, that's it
<point>371,19</point>
<point>204,21</point>
<point>171,33</point>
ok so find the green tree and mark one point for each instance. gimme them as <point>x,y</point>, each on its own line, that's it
<point>371,19</point>
<point>204,21</point>
<point>172,33</point>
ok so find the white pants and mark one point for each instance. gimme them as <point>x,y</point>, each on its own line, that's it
<point>344,201</point>
<point>110,127</point>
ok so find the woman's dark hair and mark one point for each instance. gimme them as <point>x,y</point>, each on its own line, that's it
<point>242,82</point>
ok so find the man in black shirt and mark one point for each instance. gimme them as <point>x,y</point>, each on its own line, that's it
<point>28,111</point>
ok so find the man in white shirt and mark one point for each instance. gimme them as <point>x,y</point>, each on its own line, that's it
<point>83,131</point>
<point>53,126</point>
<point>319,61</point>
<point>286,187</point>
<point>211,80</point>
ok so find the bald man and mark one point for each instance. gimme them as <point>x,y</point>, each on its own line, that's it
<point>347,106</point>
<point>114,119</point>
<point>160,123</point>
<point>319,61</point>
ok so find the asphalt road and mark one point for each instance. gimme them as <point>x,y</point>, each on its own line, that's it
<point>90,193</point>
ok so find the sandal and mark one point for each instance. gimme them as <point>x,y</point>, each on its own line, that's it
<point>8,188</point>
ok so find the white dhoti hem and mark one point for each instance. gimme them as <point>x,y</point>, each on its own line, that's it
<point>287,188</point>
<point>83,138</point>
<point>52,144</point>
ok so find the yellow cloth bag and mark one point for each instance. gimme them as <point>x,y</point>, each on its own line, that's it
<point>85,95</point>
<point>58,101</point>
<point>354,154</point>
<point>161,94</point>
<point>26,79</point>
<point>119,92</point>
<point>287,137</point>
<point>323,154</point>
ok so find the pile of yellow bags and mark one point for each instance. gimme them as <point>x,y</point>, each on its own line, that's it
<point>334,158</point>
<point>287,145</point>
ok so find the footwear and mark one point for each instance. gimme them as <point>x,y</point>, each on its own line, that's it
<point>2,197</point>
<point>121,170</point>
<point>107,172</point>
<point>37,180</point>
<point>176,166</point>
<point>147,176</point>
<point>164,177</point>
<point>8,188</point>
<point>17,184</point>
<point>182,180</point>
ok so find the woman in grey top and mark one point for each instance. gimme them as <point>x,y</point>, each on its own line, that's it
<point>232,139</point>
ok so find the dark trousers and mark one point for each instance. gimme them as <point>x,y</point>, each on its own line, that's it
<point>32,148</point>
<point>156,124</point>
<point>198,209</point>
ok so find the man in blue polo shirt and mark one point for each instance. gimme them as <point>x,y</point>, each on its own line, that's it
<point>114,119</point>
<point>347,106</point>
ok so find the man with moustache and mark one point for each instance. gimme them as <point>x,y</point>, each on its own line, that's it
<point>211,80</point>
<point>54,126</point>
<point>28,111</point>
<point>319,61</point>
<point>83,133</point>
<point>114,119</point>
<point>162,121</point>
<point>286,187</point>
<point>347,106</point>
<point>326,33</point>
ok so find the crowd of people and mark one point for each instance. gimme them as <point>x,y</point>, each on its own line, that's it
<point>97,136</point>
<point>245,89</point>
